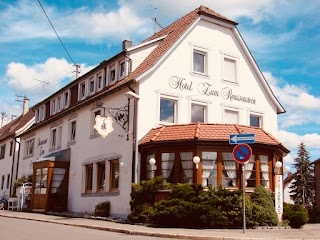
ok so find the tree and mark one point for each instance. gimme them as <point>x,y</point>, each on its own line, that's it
<point>301,193</point>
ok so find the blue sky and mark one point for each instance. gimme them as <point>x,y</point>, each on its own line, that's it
<point>283,37</point>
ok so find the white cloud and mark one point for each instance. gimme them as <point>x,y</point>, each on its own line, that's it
<point>40,80</point>
<point>26,20</point>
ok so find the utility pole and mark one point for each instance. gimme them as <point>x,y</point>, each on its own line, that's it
<point>3,115</point>
<point>77,70</point>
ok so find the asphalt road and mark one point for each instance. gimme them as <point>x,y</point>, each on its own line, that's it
<point>20,229</point>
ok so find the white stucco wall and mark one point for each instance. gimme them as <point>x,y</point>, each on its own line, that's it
<point>215,41</point>
<point>5,168</point>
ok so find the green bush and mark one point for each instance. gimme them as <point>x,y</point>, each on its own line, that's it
<point>296,214</point>
<point>102,209</point>
<point>263,210</point>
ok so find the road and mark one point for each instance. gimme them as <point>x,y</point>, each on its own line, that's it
<point>20,229</point>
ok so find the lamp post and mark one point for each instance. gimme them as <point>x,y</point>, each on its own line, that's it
<point>278,190</point>
<point>196,161</point>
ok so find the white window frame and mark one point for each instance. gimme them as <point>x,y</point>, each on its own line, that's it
<point>175,111</point>
<point>80,95</point>
<point>205,55</point>
<point>231,110</point>
<point>259,115</point>
<point>59,103</point>
<point>2,151</point>
<point>40,114</point>
<point>93,112</point>
<point>53,107</point>
<point>100,74</point>
<point>28,151</point>
<point>205,105</point>
<point>58,137</point>
<point>66,101</point>
<point>125,68</point>
<point>223,70</point>
<point>71,122</point>
<point>111,68</point>
<point>92,80</point>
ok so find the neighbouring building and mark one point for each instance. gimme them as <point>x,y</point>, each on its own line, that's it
<point>317,182</point>
<point>287,184</point>
<point>178,94</point>
<point>10,146</point>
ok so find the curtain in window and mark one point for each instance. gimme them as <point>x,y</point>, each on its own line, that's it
<point>186,163</point>
<point>230,167</point>
<point>57,177</point>
<point>264,166</point>
<point>167,164</point>
<point>208,164</point>
<point>249,167</point>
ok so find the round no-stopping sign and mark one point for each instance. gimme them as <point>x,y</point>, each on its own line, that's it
<point>242,153</point>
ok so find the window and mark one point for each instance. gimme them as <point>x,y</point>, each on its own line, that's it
<point>231,117</point>
<point>229,171</point>
<point>99,82</point>
<point>209,168</point>
<point>101,169</point>
<point>94,114</point>
<point>11,148</point>
<point>167,161</point>
<point>112,74</point>
<point>55,137</point>
<point>250,172</point>
<point>8,181</point>
<point>255,121</point>
<point>66,99</point>
<point>197,113</point>
<point>114,175</point>
<point>229,69</point>
<point>82,90</point>
<point>52,106</point>
<point>59,103</point>
<point>89,175</point>
<point>40,114</point>
<point>122,69</point>
<point>264,171</point>
<point>199,62</point>
<point>186,174</point>
<point>168,110</point>
<point>58,175</point>
<point>2,183</point>
<point>92,86</point>
<point>29,147</point>
<point>41,181</point>
<point>2,151</point>
<point>73,126</point>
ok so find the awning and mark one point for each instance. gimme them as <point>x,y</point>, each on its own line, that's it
<point>59,156</point>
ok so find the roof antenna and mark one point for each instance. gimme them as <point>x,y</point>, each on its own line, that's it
<point>156,23</point>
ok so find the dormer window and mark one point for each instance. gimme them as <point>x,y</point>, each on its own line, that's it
<point>40,114</point>
<point>82,91</point>
<point>59,104</point>
<point>52,106</point>
<point>92,86</point>
<point>112,74</point>
<point>66,99</point>
<point>99,81</point>
<point>122,69</point>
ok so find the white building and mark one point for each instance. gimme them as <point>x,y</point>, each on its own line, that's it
<point>178,94</point>
<point>9,149</point>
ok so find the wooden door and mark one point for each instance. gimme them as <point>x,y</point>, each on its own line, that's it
<point>40,190</point>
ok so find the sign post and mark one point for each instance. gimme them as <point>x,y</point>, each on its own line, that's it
<point>242,153</point>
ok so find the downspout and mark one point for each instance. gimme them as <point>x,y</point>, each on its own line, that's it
<point>12,167</point>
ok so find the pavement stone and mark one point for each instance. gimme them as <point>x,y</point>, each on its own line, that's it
<point>308,232</point>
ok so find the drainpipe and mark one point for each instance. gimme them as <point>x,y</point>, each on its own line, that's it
<point>12,167</point>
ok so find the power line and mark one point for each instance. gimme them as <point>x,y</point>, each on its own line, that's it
<point>56,33</point>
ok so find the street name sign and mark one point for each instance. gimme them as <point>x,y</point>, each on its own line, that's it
<point>242,153</point>
<point>242,138</point>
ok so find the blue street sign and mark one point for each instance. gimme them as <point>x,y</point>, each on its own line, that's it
<point>241,138</point>
<point>242,153</point>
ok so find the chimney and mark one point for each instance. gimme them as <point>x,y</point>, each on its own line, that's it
<point>126,44</point>
<point>25,106</point>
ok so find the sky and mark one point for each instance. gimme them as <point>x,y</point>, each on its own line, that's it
<point>282,35</point>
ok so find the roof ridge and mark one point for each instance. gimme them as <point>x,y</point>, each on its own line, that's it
<point>197,132</point>
<point>238,128</point>
<point>158,133</point>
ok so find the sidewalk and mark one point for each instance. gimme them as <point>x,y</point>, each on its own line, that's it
<point>309,231</point>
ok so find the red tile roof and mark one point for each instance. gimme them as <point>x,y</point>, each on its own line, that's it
<point>9,130</point>
<point>209,132</point>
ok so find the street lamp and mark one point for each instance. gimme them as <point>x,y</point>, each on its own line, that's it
<point>277,168</point>
<point>278,190</point>
<point>196,161</point>
<point>152,162</point>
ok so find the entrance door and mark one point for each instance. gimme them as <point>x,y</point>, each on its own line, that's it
<point>40,190</point>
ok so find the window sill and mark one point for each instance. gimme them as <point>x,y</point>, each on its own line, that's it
<point>202,75</point>
<point>229,82</point>
<point>27,157</point>
<point>93,136</point>
<point>71,143</point>
<point>100,194</point>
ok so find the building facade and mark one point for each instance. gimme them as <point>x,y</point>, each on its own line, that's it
<point>176,95</point>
